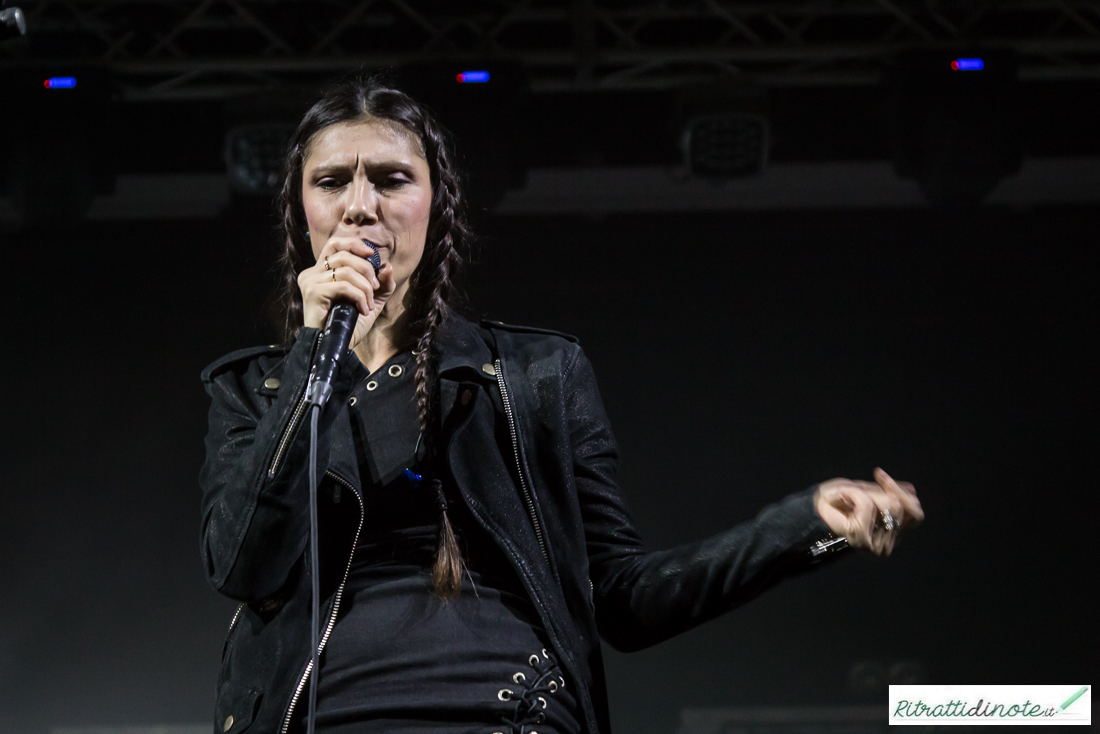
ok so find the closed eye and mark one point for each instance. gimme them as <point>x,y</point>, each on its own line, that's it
<point>392,181</point>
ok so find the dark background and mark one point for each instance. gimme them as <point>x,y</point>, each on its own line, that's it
<point>741,357</point>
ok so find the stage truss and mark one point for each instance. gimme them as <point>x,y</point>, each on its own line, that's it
<point>160,49</point>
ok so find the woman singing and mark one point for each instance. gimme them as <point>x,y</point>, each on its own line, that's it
<point>474,542</point>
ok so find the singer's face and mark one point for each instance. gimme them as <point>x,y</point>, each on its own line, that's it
<point>369,180</point>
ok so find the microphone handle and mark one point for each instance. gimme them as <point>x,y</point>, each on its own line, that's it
<point>335,341</point>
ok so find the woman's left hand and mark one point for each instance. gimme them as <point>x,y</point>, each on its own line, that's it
<point>869,514</point>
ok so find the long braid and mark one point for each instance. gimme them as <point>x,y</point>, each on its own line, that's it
<point>433,286</point>
<point>448,566</point>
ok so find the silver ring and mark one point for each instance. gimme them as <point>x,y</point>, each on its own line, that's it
<point>886,521</point>
<point>327,266</point>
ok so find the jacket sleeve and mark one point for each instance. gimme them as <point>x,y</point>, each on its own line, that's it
<point>255,480</point>
<point>643,597</point>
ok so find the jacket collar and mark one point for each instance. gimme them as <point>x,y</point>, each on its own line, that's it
<point>461,346</point>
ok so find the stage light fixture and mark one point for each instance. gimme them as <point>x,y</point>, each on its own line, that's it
<point>60,82</point>
<point>724,130</point>
<point>472,77</point>
<point>726,146</point>
<point>967,64</point>
<point>254,157</point>
<point>12,23</point>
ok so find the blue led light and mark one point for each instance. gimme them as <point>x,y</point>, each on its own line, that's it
<point>967,64</point>
<point>473,77</point>
<point>60,82</point>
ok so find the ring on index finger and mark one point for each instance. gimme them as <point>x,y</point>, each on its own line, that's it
<point>334,274</point>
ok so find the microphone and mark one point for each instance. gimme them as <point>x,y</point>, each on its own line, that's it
<point>336,339</point>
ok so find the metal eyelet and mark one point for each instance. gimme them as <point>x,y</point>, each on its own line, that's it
<point>562,681</point>
<point>395,370</point>
<point>504,694</point>
<point>553,686</point>
<point>372,385</point>
<point>519,678</point>
<point>544,654</point>
<point>542,701</point>
<point>540,718</point>
<point>353,400</point>
<point>533,660</point>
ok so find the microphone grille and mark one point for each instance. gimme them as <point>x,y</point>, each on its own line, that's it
<point>375,259</point>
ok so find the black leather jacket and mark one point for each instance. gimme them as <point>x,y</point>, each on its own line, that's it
<point>528,447</point>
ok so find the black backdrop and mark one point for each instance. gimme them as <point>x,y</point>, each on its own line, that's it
<point>741,356</point>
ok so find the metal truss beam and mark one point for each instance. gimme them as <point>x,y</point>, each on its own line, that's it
<point>215,48</point>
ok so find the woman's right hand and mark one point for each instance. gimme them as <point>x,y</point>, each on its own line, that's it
<point>343,272</point>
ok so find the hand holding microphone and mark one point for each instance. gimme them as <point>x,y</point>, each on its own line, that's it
<point>345,291</point>
<point>344,271</point>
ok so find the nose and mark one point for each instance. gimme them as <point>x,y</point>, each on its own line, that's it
<point>362,206</point>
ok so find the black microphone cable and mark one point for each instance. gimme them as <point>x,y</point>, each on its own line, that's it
<point>315,569</point>
<point>334,344</point>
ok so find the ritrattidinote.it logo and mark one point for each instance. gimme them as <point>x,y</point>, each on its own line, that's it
<point>1015,705</point>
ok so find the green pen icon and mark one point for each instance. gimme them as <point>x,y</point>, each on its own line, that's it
<point>1073,698</point>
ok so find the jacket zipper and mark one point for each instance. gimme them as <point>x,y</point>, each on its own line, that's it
<point>232,625</point>
<point>236,616</point>
<point>519,468</point>
<point>529,500</point>
<point>335,607</point>
<point>295,419</point>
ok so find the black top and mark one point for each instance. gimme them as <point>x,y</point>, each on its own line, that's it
<point>399,658</point>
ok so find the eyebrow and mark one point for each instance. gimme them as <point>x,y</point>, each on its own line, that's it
<point>394,164</point>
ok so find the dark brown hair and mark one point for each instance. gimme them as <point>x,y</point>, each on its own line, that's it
<point>432,289</point>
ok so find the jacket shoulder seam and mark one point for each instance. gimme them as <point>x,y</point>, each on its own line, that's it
<point>240,356</point>
<point>516,328</point>
<point>572,364</point>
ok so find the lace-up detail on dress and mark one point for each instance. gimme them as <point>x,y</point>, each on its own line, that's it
<point>532,688</point>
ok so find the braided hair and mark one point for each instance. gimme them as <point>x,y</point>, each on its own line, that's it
<point>367,97</point>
